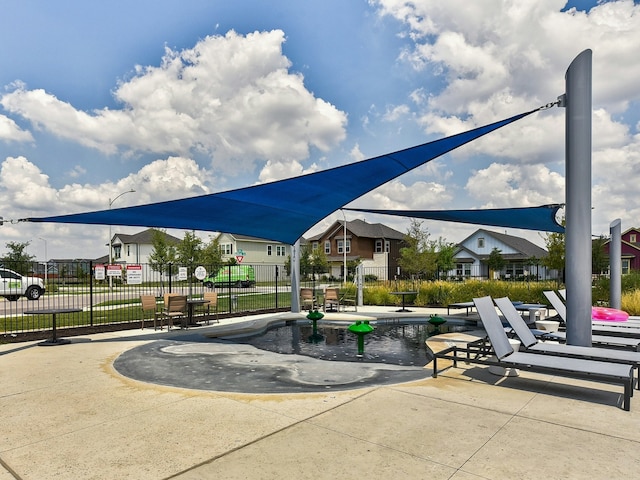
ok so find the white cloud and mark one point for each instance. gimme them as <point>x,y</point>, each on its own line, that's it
<point>516,57</point>
<point>230,97</point>
<point>26,192</point>
<point>11,132</point>
<point>508,185</point>
<point>497,59</point>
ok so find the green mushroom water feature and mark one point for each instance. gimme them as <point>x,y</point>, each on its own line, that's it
<point>314,316</point>
<point>436,321</point>
<point>361,329</point>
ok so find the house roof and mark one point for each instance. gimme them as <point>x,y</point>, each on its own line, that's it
<point>144,237</point>
<point>525,248</point>
<point>247,238</point>
<point>362,229</point>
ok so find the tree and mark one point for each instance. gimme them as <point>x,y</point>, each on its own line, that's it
<point>599,261</point>
<point>211,256</point>
<point>555,259</point>
<point>495,261</point>
<point>311,262</point>
<point>418,258</point>
<point>444,257</point>
<point>17,258</point>
<point>163,253</point>
<point>189,250</point>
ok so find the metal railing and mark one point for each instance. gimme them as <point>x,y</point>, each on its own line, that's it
<point>114,300</point>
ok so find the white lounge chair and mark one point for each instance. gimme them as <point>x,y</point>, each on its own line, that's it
<point>531,343</point>
<point>599,328</point>
<point>593,370</point>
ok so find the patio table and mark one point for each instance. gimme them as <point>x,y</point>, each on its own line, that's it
<point>54,340</point>
<point>403,295</point>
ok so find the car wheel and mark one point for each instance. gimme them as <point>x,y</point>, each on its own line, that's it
<point>12,298</point>
<point>208,284</point>
<point>33,293</point>
<point>238,284</point>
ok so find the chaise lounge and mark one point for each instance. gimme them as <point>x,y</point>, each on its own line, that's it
<point>531,343</point>
<point>506,357</point>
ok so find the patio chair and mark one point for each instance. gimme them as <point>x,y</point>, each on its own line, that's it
<point>175,306</point>
<point>506,357</point>
<point>212,305</point>
<point>149,307</point>
<point>349,298</point>
<point>531,343</point>
<point>307,299</point>
<point>332,299</point>
<point>598,328</point>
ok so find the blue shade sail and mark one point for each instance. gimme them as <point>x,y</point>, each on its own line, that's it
<point>284,210</point>
<point>541,218</point>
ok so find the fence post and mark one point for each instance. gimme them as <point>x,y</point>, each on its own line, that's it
<point>91,292</point>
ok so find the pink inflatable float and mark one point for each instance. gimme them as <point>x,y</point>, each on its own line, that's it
<point>609,314</point>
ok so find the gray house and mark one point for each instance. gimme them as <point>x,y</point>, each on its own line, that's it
<point>522,257</point>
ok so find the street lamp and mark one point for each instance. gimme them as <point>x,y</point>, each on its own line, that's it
<point>110,240</point>
<point>111,203</point>
<point>46,261</point>
<point>344,249</point>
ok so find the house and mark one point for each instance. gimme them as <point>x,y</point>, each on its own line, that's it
<point>135,249</point>
<point>252,250</point>
<point>266,256</point>
<point>374,245</point>
<point>629,249</point>
<point>522,257</point>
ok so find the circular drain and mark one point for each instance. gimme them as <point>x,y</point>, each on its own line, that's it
<point>230,367</point>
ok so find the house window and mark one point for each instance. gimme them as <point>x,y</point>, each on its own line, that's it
<point>481,242</point>
<point>128,250</point>
<point>327,247</point>
<point>632,238</point>
<point>463,269</point>
<point>625,266</point>
<point>117,250</point>
<point>387,246</point>
<point>314,246</point>
<point>280,251</point>
<point>269,250</point>
<point>226,248</point>
<point>340,246</point>
<point>379,245</point>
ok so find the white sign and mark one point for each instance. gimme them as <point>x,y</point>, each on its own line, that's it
<point>182,273</point>
<point>134,274</point>
<point>201,272</point>
<point>98,272</point>
<point>114,271</point>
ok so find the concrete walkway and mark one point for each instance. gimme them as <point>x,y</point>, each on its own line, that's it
<point>68,414</point>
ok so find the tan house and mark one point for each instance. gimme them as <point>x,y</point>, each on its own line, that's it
<point>374,245</point>
<point>252,250</point>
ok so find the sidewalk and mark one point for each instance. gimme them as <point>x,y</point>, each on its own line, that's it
<point>68,414</point>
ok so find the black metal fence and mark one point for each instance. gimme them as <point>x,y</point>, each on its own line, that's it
<point>111,296</point>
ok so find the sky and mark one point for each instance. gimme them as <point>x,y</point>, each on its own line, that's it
<point>176,99</point>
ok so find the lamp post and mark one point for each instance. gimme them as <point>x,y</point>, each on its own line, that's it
<point>344,250</point>
<point>46,261</point>
<point>110,240</point>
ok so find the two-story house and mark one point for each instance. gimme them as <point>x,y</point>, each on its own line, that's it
<point>374,245</point>
<point>629,249</point>
<point>252,250</point>
<point>135,249</point>
<point>522,257</point>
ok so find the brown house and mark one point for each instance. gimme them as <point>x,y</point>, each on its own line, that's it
<point>375,246</point>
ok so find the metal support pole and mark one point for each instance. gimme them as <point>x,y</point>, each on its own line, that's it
<point>615,264</point>
<point>295,277</point>
<point>578,199</point>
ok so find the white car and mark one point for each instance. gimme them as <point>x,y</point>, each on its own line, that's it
<point>13,286</point>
